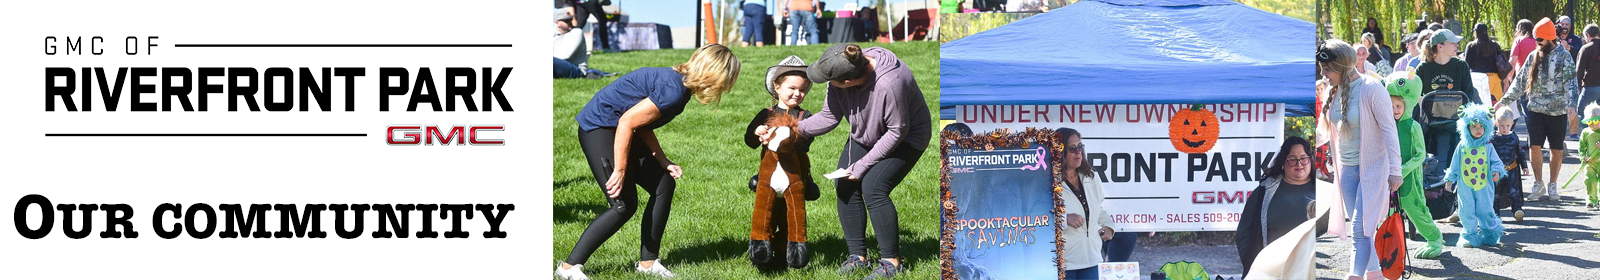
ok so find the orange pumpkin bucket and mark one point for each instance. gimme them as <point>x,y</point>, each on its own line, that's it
<point>1390,241</point>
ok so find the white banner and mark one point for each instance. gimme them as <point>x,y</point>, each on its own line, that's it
<point>1150,185</point>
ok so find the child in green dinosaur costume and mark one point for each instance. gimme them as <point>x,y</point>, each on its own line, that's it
<point>1591,154</point>
<point>1406,89</point>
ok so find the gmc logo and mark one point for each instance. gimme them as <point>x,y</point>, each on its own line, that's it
<point>1219,197</point>
<point>425,135</point>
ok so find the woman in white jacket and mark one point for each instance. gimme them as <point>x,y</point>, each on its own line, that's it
<point>1088,224</point>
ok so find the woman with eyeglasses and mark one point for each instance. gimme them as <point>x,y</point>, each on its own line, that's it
<point>1280,203</point>
<point>1088,223</point>
<point>1358,111</point>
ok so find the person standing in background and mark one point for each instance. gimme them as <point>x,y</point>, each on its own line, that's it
<point>803,15</point>
<point>1483,56</point>
<point>755,24</point>
<point>1521,46</point>
<point>1411,58</point>
<point>1451,23</point>
<point>1565,35</point>
<point>1571,43</point>
<point>1372,27</point>
<point>1589,69</point>
<point>581,9</point>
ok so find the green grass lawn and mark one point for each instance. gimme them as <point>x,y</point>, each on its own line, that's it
<point>709,230</point>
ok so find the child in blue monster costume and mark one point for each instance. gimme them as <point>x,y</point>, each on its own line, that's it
<point>1476,166</point>
<point>1405,89</point>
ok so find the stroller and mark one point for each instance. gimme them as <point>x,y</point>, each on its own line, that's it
<point>1438,114</point>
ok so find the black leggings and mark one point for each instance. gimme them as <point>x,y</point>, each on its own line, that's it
<point>870,196</point>
<point>643,171</point>
<point>581,12</point>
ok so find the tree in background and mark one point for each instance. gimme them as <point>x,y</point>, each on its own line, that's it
<point>1345,19</point>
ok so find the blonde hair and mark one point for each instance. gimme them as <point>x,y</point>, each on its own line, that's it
<point>1504,114</point>
<point>710,72</point>
<point>1592,109</point>
<point>1344,64</point>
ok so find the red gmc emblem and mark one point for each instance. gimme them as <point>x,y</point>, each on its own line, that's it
<point>425,135</point>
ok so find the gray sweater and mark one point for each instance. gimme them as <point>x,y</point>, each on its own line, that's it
<point>883,112</point>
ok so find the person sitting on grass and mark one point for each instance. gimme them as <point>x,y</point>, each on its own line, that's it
<point>571,51</point>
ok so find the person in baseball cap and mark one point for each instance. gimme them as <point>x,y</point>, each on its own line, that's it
<point>1567,38</point>
<point>1443,36</point>
<point>840,63</point>
<point>890,128</point>
<point>1441,69</point>
<point>1410,59</point>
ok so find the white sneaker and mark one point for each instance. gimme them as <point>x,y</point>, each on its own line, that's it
<point>1538,192</point>
<point>575,273</point>
<point>1555,194</point>
<point>655,269</point>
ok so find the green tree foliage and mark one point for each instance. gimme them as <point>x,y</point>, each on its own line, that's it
<point>957,26</point>
<point>1345,19</point>
<point>1300,9</point>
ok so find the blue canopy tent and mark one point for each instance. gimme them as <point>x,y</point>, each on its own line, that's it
<point>1135,52</point>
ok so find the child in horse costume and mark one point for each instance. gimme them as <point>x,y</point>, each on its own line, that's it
<point>783,184</point>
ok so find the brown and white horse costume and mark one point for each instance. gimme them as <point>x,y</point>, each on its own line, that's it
<point>783,169</point>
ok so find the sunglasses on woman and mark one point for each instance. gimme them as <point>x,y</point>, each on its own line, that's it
<point>1074,149</point>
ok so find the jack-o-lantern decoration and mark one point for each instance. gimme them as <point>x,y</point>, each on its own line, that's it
<point>1193,130</point>
<point>1390,242</point>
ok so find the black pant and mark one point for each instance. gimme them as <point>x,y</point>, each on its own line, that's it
<point>645,173</point>
<point>870,195</point>
<point>581,12</point>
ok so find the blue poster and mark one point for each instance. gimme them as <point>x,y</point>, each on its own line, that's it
<point>1003,226</point>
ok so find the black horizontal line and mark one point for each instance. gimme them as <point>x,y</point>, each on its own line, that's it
<point>1170,138</point>
<point>1143,197</point>
<point>205,135</point>
<point>342,45</point>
